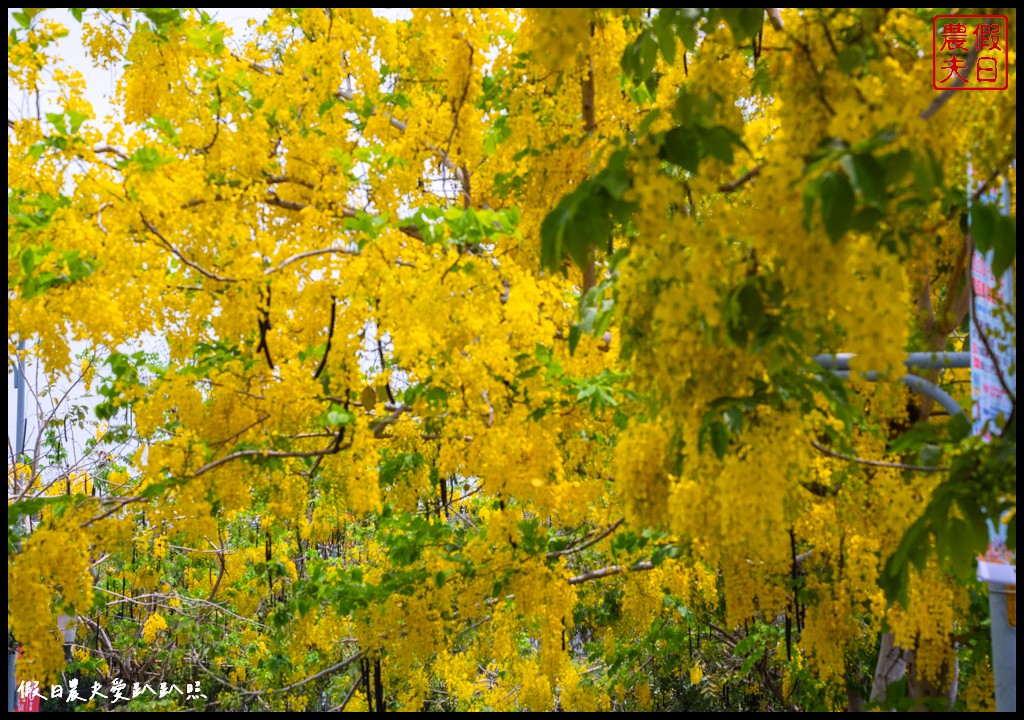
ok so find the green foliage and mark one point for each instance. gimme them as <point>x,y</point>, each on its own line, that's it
<point>994,232</point>
<point>584,218</point>
<point>658,34</point>
<point>979,491</point>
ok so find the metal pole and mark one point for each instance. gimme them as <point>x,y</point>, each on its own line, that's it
<point>921,360</point>
<point>19,450</point>
<point>11,683</point>
<point>916,383</point>
<point>19,384</point>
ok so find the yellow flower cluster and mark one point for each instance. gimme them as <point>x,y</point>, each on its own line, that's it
<point>926,624</point>
<point>154,625</point>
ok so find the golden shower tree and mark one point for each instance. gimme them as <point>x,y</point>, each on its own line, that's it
<point>469,356</point>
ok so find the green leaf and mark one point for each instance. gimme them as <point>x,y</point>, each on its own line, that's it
<point>718,141</point>
<point>615,178</point>
<point>734,419</point>
<point>57,120</point>
<point>575,333</point>
<point>27,260</point>
<point>745,23</point>
<point>869,178</point>
<point>751,305</point>
<point>76,119</point>
<point>648,119</point>
<point>761,82</point>
<point>897,165</point>
<point>648,56</point>
<point>666,38</point>
<point>810,195</point>
<point>959,427</point>
<point>339,416</point>
<point>552,231</point>
<point>719,438</point>
<point>148,159</point>
<point>837,202</point>
<point>929,456</point>
<point>866,219</point>
<point>983,226</point>
<point>927,175</point>
<point>687,27</point>
<point>1004,244</point>
<point>591,226</point>
<point>682,147</point>
<point>164,126</point>
<point>850,58</point>
<point>162,17</point>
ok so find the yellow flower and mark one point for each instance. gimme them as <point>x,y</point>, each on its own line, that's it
<point>152,627</point>
<point>696,674</point>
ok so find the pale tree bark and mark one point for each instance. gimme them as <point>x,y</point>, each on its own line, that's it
<point>891,667</point>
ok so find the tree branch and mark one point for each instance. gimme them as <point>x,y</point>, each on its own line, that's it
<point>268,453</point>
<point>220,575</point>
<point>334,668</point>
<point>609,571</point>
<point>346,211</point>
<point>308,254</point>
<point>446,162</point>
<point>330,336</point>
<point>118,504</point>
<point>741,180</point>
<point>109,150</point>
<point>348,696</point>
<point>178,254</point>
<point>988,345</point>
<point>592,541</point>
<point>381,426</point>
<point>877,463</point>
<point>942,99</point>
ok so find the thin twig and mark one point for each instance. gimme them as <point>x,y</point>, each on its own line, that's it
<point>267,453</point>
<point>330,336</point>
<point>119,503</point>
<point>220,575</point>
<point>741,180</point>
<point>592,541</point>
<point>446,162</point>
<point>877,463</point>
<point>348,696</point>
<point>343,664</point>
<point>231,437</point>
<point>108,150</point>
<point>381,425</point>
<point>138,600</point>
<point>988,346</point>
<point>177,253</point>
<point>310,253</point>
<point>609,571</point>
<point>346,211</point>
